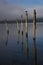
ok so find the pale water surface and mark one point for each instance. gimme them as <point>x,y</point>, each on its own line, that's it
<point>18,50</point>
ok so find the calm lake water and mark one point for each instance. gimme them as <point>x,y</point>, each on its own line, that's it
<point>19,50</point>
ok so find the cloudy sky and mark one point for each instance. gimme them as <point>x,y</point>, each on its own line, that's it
<point>12,9</point>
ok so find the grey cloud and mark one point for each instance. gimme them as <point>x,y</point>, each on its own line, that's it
<point>3,2</point>
<point>12,11</point>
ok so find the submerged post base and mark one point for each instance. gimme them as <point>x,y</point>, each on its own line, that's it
<point>18,42</point>
<point>34,38</point>
<point>26,35</point>
<point>22,32</point>
<point>19,31</point>
<point>7,31</point>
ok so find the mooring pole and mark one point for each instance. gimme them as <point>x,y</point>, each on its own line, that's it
<point>26,24</point>
<point>34,25</point>
<point>18,31</point>
<point>27,33</point>
<point>21,25</point>
<point>18,27</point>
<point>6,26</point>
<point>7,30</point>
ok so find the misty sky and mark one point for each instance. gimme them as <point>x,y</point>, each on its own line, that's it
<point>12,9</point>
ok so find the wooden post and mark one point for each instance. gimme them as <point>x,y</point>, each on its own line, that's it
<point>22,30</point>
<point>21,25</point>
<point>35,53</point>
<point>7,30</point>
<point>18,34</point>
<point>27,50</point>
<point>34,25</point>
<point>26,24</point>
<point>18,27</point>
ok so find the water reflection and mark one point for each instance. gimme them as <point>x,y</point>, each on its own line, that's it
<point>22,43</point>
<point>18,37</point>
<point>6,40</point>
<point>27,51</point>
<point>7,35</point>
<point>35,53</point>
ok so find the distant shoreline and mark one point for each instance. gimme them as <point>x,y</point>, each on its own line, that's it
<point>39,20</point>
<point>23,22</point>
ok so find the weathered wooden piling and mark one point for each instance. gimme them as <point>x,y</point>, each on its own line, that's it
<point>22,30</point>
<point>27,50</point>
<point>34,25</point>
<point>18,34</point>
<point>35,53</point>
<point>7,31</point>
<point>21,24</point>
<point>26,24</point>
<point>6,26</point>
<point>18,27</point>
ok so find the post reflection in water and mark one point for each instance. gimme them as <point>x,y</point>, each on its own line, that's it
<point>18,36</point>
<point>7,39</point>
<point>22,42</point>
<point>27,50</point>
<point>35,53</point>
